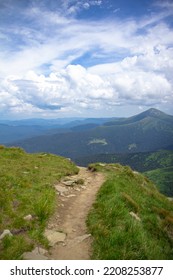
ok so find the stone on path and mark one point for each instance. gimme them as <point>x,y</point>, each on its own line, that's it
<point>36,254</point>
<point>70,195</point>
<point>54,236</point>
<point>81,238</point>
<point>61,189</point>
<point>69,183</point>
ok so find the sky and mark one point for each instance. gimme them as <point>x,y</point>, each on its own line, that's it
<point>89,58</point>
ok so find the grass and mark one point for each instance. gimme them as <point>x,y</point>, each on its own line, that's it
<point>117,234</point>
<point>26,187</point>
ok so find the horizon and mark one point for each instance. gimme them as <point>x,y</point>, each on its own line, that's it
<point>83,118</point>
<point>70,58</point>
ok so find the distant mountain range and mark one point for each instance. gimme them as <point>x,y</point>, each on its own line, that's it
<point>22,129</point>
<point>149,131</point>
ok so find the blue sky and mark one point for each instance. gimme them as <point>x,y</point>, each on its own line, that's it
<point>85,58</point>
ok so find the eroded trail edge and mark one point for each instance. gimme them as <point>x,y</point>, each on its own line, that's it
<point>67,231</point>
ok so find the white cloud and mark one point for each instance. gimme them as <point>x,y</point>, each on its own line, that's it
<point>86,5</point>
<point>139,71</point>
<point>76,88</point>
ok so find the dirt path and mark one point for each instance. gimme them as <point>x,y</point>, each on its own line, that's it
<point>75,200</point>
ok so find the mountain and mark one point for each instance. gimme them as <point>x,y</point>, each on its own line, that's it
<point>22,129</point>
<point>149,114</point>
<point>10,133</point>
<point>149,131</point>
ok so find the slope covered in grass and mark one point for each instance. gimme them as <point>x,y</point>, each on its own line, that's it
<point>26,188</point>
<point>163,178</point>
<point>130,218</point>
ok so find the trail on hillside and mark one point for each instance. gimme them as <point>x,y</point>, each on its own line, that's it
<point>76,195</point>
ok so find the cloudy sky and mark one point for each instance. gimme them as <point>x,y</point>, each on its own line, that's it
<point>64,58</point>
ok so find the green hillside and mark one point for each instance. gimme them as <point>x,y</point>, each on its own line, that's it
<point>130,218</point>
<point>163,178</point>
<point>139,161</point>
<point>158,166</point>
<point>26,188</point>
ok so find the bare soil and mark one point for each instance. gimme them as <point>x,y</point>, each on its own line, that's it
<point>71,213</point>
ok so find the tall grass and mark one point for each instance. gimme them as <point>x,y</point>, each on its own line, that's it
<point>26,187</point>
<point>117,234</point>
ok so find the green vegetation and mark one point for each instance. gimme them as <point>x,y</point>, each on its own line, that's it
<point>130,219</point>
<point>26,188</point>
<point>163,178</point>
<point>139,161</point>
<point>157,166</point>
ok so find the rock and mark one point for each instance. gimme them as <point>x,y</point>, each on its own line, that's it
<point>71,195</point>
<point>54,236</point>
<point>5,233</point>
<point>36,254</point>
<point>61,189</point>
<point>68,183</point>
<point>28,218</point>
<point>81,238</point>
<point>135,216</point>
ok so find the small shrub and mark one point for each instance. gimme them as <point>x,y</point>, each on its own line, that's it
<point>43,207</point>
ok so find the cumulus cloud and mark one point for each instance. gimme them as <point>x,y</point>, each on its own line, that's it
<point>77,88</point>
<point>131,62</point>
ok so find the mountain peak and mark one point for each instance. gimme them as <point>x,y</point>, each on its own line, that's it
<point>152,112</point>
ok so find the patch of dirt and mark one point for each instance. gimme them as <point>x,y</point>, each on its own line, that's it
<point>74,203</point>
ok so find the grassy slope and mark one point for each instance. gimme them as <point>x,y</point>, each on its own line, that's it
<point>26,188</point>
<point>163,178</point>
<point>118,235</point>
